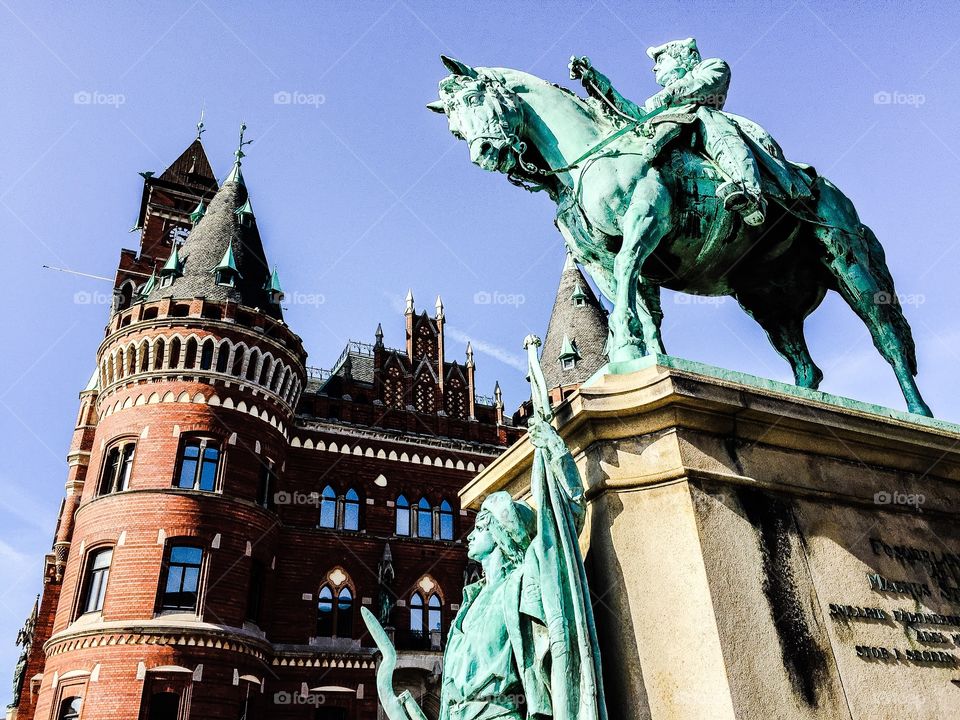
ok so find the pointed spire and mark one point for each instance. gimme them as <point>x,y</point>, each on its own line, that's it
<point>470,362</point>
<point>226,271</point>
<point>568,349</point>
<point>497,395</point>
<point>379,335</point>
<point>150,284</point>
<point>569,263</point>
<point>173,268</point>
<point>198,212</point>
<point>409,310</point>
<point>273,287</point>
<point>245,210</point>
<point>439,307</point>
<point>200,129</point>
<point>235,174</point>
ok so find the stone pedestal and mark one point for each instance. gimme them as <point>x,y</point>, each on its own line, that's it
<point>760,551</point>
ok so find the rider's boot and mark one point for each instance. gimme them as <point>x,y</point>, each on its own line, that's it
<point>749,204</point>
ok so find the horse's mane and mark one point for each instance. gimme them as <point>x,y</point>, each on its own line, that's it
<point>522,82</point>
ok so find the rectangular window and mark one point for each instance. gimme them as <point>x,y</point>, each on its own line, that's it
<point>255,592</point>
<point>98,571</point>
<point>117,467</point>
<point>180,585</point>
<point>268,483</point>
<point>199,462</point>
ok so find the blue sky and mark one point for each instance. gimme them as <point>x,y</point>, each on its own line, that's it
<point>362,193</point>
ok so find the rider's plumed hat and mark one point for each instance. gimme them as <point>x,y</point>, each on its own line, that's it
<point>674,48</point>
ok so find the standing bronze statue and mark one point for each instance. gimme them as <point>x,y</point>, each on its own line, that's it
<point>523,644</point>
<point>679,193</point>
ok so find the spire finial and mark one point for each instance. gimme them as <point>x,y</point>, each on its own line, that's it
<point>469,354</point>
<point>439,307</point>
<point>240,154</point>
<point>379,335</point>
<point>200,128</point>
<point>409,310</point>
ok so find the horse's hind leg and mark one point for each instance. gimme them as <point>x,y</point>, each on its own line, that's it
<point>781,315</point>
<point>856,260</point>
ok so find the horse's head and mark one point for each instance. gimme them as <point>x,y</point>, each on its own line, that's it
<point>482,111</point>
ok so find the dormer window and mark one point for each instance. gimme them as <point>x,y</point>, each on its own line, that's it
<point>226,273</point>
<point>568,354</point>
<point>579,297</point>
<point>568,363</point>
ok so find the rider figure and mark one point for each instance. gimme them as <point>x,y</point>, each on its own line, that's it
<point>694,89</point>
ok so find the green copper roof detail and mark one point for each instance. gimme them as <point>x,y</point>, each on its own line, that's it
<point>273,284</point>
<point>578,293</point>
<point>198,212</point>
<point>150,284</point>
<point>245,209</point>
<point>228,261</point>
<point>174,265</point>
<point>235,175</point>
<point>568,349</point>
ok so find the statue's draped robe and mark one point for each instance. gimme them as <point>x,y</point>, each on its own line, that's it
<point>542,608</point>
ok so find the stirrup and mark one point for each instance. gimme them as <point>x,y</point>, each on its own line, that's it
<point>733,196</point>
<point>754,213</point>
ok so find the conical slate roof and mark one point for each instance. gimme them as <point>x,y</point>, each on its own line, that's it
<point>192,168</point>
<point>209,242</point>
<point>578,326</point>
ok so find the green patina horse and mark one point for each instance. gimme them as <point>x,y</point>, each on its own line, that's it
<point>639,220</point>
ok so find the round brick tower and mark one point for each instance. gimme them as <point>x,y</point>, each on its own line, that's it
<point>167,544</point>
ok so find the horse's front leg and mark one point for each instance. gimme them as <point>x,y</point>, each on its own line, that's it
<point>644,223</point>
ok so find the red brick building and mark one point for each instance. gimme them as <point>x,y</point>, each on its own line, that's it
<point>229,509</point>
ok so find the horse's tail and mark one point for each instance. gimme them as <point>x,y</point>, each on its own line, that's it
<point>880,271</point>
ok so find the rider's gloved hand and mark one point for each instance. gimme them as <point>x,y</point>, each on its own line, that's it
<point>580,67</point>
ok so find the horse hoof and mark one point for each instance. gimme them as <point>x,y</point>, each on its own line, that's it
<point>920,408</point>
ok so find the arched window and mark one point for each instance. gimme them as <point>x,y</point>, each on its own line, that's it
<point>446,521</point>
<point>433,613</point>
<point>190,357</point>
<point>344,618</point>
<point>424,519</point>
<point>223,356</point>
<point>252,365</point>
<point>121,366</point>
<point>144,356</point>
<point>351,510</point>
<point>174,354</point>
<point>180,579</point>
<point>335,612</point>
<point>325,612</point>
<point>416,614</point>
<point>264,371</point>
<point>206,354</point>
<point>70,708</point>
<point>403,516</point>
<point>158,349</point>
<point>328,508</point>
<point>238,354</point>
<point>131,360</point>
<point>278,376</point>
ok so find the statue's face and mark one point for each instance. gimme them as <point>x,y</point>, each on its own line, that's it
<point>480,542</point>
<point>666,69</point>
<point>480,115</point>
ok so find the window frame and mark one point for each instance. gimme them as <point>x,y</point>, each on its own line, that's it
<point>203,443</point>
<point>334,600</point>
<point>111,472</point>
<point>405,508</point>
<point>191,543</point>
<point>82,600</point>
